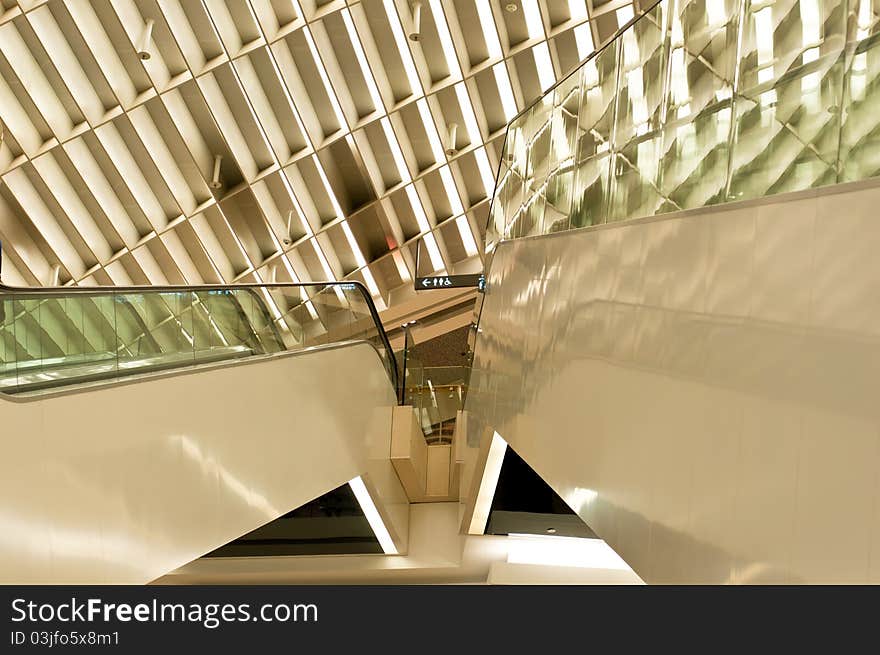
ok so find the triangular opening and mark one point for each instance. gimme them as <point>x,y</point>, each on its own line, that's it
<point>332,524</point>
<point>525,504</point>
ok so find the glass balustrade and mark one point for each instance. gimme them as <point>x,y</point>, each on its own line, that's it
<point>57,337</point>
<point>436,393</point>
<point>695,103</point>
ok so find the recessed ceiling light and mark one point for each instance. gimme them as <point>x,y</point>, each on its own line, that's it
<point>511,7</point>
<point>551,530</point>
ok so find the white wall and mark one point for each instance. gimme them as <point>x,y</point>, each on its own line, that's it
<point>701,387</point>
<point>125,482</point>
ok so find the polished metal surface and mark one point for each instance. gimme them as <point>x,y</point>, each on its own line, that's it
<point>701,388</point>
<point>124,482</point>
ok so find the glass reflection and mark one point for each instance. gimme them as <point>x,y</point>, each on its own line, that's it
<point>52,338</point>
<point>698,102</point>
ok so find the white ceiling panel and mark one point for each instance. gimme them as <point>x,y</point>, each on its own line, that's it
<point>216,141</point>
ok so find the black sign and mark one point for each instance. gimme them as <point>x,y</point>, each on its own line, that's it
<point>450,282</point>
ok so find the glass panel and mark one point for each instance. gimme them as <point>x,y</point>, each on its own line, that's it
<point>700,102</point>
<point>327,320</point>
<point>595,120</point>
<point>259,312</point>
<point>596,117</point>
<point>297,313</point>
<point>360,321</point>
<point>99,325</point>
<point>30,334</point>
<point>215,321</point>
<point>54,338</point>
<point>566,107</point>
<point>536,133</point>
<point>436,393</point>
<point>643,53</point>
<point>786,110</point>
<point>860,136</point>
<point>635,177</point>
<point>512,189</point>
<point>702,63</point>
<point>637,138</point>
<point>693,169</point>
<point>590,191</point>
<point>9,351</point>
<point>496,224</point>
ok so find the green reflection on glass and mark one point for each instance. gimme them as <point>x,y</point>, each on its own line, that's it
<point>53,338</point>
<point>699,102</point>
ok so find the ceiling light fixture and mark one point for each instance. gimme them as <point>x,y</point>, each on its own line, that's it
<point>467,236</point>
<point>361,57</point>
<point>287,240</point>
<point>583,39</point>
<point>434,255</point>
<point>451,137</point>
<point>449,53</point>
<point>402,269</point>
<point>415,34</point>
<point>544,65</point>
<point>485,172</point>
<point>396,152</point>
<point>451,191</point>
<point>215,177</point>
<point>467,112</point>
<point>394,22</point>
<point>502,79</point>
<point>418,209</point>
<point>490,32</point>
<point>431,129</point>
<point>144,44</point>
<point>325,79</point>
<point>532,17</point>
<point>577,9</point>
<point>373,288</point>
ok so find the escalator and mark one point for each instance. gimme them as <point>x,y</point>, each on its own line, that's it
<point>56,338</point>
<point>680,327</point>
<point>146,427</point>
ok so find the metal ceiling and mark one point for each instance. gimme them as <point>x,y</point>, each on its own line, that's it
<point>211,141</point>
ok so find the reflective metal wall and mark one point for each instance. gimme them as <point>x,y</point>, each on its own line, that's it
<point>128,481</point>
<point>701,387</point>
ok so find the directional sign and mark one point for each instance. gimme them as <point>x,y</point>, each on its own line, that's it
<point>450,282</point>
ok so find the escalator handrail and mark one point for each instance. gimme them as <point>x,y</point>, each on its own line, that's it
<point>247,286</point>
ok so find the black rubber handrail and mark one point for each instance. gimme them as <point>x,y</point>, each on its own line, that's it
<point>61,292</point>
